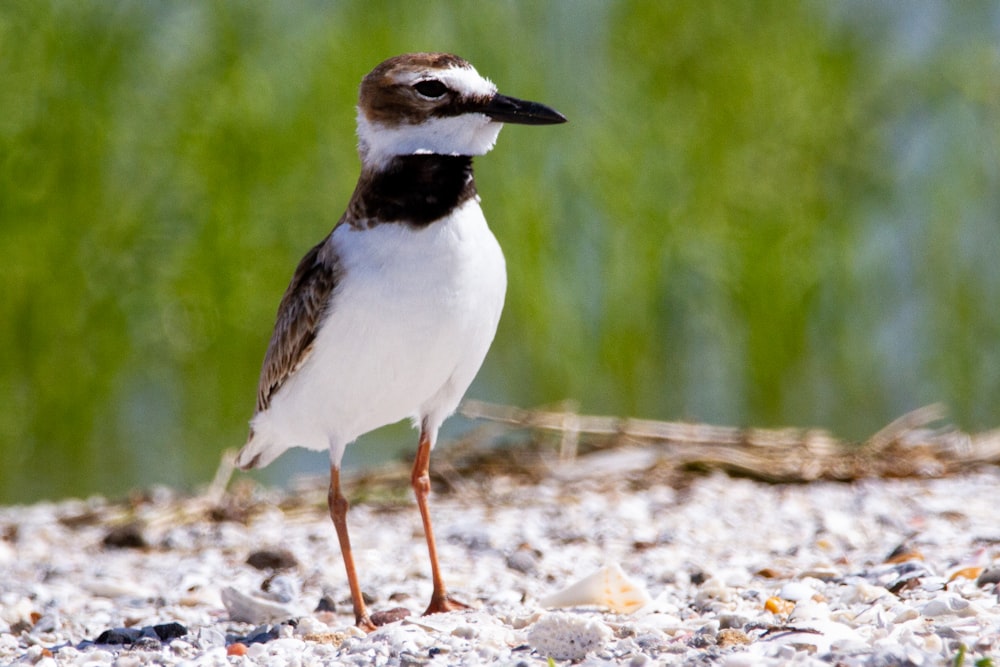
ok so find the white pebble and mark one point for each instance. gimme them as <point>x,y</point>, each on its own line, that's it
<point>795,591</point>
<point>808,610</point>
<point>257,650</point>
<point>310,625</point>
<point>210,637</point>
<point>944,605</point>
<point>564,636</point>
<point>865,592</point>
<point>283,588</point>
<point>98,657</point>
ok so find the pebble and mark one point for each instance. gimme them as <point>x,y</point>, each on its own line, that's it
<point>272,559</point>
<point>945,604</point>
<point>796,591</point>
<point>873,573</point>
<point>522,560</point>
<point>990,576</point>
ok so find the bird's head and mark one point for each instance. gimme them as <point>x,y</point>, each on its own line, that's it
<point>435,103</point>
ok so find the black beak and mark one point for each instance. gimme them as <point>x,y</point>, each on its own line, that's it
<point>505,109</point>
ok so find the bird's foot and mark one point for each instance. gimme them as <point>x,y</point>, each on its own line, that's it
<point>442,603</point>
<point>365,624</point>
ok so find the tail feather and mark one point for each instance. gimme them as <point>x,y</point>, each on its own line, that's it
<point>249,456</point>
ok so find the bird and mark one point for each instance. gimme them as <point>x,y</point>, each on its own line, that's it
<point>391,315</point>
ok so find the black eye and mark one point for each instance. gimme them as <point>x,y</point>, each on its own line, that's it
<point>431,88</point>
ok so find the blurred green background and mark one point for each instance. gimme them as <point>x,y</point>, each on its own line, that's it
<point>761,213</point>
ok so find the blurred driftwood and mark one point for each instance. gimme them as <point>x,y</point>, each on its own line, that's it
<point>911,446</point>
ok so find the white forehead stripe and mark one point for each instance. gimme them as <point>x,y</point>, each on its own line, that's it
<point>466,81</point>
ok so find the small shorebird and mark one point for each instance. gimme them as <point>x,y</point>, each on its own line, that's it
<point>391,315</point>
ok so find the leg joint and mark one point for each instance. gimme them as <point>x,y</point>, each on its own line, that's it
<point>421,483</point>
<point>338,503</point>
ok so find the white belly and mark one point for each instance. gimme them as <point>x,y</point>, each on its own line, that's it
<point>411,321</point>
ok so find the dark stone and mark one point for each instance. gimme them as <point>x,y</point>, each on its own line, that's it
<point>18,627</point>
<point>263,637</point>
<point>326,604</point>
<point>148,636</point>
<point>119,636</point>
<point>167,631</point>
<point>381,618</point>
<point>259,635</point>
<point>125,537</point>
<point>272,559</point>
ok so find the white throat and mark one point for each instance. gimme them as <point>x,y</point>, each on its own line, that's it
<point>468,134</point>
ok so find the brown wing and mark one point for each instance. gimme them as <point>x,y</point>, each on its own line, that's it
<point>299,315</point>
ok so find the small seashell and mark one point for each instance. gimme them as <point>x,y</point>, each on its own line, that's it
<point>252,609</point>
<point>944,605</point>
<point>965,573</point>
<point>903,553</point>
<point>608,587</point>
<point>768,573</point>
<point>434,623</point>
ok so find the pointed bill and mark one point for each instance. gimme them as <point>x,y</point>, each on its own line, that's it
<point>504,109</point>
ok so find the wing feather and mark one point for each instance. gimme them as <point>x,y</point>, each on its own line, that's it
<point>300,313</point>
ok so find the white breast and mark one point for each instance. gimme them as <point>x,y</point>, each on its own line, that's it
<point>411,321</point>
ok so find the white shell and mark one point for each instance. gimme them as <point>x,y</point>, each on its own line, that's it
<point>562,636</point>
<point>245,608</point>
<point>608,587</point>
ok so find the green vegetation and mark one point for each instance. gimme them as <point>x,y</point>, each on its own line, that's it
<point>761,213</point>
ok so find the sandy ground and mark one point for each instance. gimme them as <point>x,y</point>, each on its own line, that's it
<point>717,570</point>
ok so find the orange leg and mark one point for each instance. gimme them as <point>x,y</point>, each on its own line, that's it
<point>338,512</point>
<point>421,481</point>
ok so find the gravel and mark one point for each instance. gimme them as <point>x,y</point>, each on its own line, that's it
<point>878,572</point>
